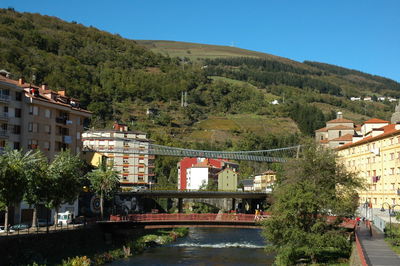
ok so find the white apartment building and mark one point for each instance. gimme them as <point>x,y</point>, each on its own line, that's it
<point>126,150</point>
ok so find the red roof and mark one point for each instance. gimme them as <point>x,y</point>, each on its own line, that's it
<point>340,120</point>
<point>387,131</point>
<point>324,141</point>
<point>339,127</point>
<point>347,137</point>
<point>324,129</point>
<point>376,121</point>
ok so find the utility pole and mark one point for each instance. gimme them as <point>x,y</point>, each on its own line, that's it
<point>181,98</point>
<point>186,104</point>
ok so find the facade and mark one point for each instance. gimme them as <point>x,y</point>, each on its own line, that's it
<point>33,117</point>
<point>227,180</point>
<point>374,156</point>
<point>337,132</point>
<point>265,181</point>
<point>376,159</point>
<point>248,184</point>
<point>126,150</point>
<point>195,172</point>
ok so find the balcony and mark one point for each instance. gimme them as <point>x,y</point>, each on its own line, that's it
<point>3,134</point>
<point>4,116</point>
<point>61,120</point>
<point>4,98</point>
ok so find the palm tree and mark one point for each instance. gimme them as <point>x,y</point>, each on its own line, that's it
<point>13,178</point>
<point>104,181</point>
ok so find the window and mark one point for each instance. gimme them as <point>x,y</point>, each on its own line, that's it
<point>46,145</point>
<point>393,185</point>
<point>32,144</point>
<point>33,110</point>
<point>47,129</point>
<point>392,156</point>
<point>392,171</point>
<point>16,129</point>
<point>4,127</point>
<point>340,133</point>
<point>17,146</point>
<point>393,201</point>
<point>47,113</point>
<point>17,112</point>
<point>32,127</point>
<point>18,96</point>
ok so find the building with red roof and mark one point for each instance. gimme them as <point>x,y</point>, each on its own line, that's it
<point>374,156</point>
<point>194,173</point>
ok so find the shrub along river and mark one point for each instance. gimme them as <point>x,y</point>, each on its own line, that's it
<point>208,246</point>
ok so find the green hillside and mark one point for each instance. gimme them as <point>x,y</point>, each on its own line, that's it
<point>229,90</point>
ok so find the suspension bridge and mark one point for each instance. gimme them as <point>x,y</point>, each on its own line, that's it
<point>278,155</point>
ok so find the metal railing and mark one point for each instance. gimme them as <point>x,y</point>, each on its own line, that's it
<point>4,98</point>
<point>200,217</point>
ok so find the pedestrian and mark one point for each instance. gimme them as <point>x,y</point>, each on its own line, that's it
<point>358,221</point>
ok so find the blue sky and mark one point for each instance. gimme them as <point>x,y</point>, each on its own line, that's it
<point>358,34</point>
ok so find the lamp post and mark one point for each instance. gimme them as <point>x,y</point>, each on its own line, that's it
<point>390,217</point>
<point>366,204</point>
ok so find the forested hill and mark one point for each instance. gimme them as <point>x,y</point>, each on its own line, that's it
<point>229,90</point>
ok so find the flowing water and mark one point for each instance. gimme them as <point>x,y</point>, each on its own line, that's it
<point>208,246</point>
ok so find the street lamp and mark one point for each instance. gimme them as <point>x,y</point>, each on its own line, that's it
<point>366,204</point>
<point>390,217</point>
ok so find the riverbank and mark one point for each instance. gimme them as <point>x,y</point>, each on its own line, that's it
<point>130,248</point>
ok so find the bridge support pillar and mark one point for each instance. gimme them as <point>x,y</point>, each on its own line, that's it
<point>180,205</point>
<point>233,204</point>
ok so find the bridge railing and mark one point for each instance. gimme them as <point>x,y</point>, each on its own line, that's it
<point>184,217</point>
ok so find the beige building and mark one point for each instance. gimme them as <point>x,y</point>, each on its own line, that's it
<point>126,150</point>
<point>33,117</point>
<point>337,132</point>
<point>376,159</point>
<point>264,181</point>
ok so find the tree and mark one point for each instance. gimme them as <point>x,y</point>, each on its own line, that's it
<point>310,189</point>
<point>65,174</point>
<point>104,181</point>
<point>37,183</point>
<point>13,166</point>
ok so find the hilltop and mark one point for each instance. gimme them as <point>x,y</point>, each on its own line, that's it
<point>229,89</point>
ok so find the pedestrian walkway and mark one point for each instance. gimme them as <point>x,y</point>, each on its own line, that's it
<point>376,250</point>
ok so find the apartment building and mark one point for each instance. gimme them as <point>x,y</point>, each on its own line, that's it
<point>33,117</point>
<point>127,151</point>
<point>374,155</point>
<point>265,181</point>
<point>193,173</point>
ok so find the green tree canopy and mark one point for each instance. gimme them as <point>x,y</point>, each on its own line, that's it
<point>65,173</point>
<point>311,188</point>
<point>13,177</point>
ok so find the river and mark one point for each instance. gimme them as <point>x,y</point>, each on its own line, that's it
<point>208,246</point>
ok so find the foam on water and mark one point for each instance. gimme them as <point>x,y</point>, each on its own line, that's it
<point>220,245</point>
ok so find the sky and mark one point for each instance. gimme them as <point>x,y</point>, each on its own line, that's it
<point>357,34</point>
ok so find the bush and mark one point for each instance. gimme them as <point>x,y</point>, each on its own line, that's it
<point>77,261</point>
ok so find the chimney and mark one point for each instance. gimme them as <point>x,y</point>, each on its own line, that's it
<point>339,115</point>
<point>44,87</point>
<point>62,93</point>
<point>21,81</point>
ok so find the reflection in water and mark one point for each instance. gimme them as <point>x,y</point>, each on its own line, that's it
<point>208,246</point>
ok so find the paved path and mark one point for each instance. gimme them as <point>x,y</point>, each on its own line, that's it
<point>376,250</point>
